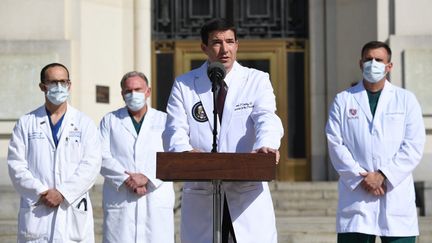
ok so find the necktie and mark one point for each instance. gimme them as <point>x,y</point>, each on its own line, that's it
<point>221,99</point>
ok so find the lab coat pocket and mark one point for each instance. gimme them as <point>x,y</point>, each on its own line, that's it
<point>240,117</point>
<point>401,199</point>
<point>199,188</point>
<point>197,191</point>
<point>247,187</point>
<point>116,223</point>
<point>394,126</point>
<point>33,222</point>
<point>163,196</point>
<point>73,147</point>
<point>240,124</point>
<point>355,202</point>
<point>242,112</point>
<point>78,222</point>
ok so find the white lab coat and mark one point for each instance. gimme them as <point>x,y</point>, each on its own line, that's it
<point>249,122</point>
<point>35,165</point>
<point>392,141</point>
<point>127,216</point>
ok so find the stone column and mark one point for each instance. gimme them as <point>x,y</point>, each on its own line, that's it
<point>142,36</point>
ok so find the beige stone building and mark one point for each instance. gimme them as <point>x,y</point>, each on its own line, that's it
<point>100,40</point>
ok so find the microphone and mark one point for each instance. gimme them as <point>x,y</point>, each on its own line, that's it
<point>216,72</point>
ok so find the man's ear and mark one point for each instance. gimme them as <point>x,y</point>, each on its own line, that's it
<point>389,67</point>
<point>121,93</point>
<point>42,87</point>
<point>148,92</point>
<point>204,47</point>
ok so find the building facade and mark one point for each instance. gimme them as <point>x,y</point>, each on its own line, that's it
<point>310,48</point>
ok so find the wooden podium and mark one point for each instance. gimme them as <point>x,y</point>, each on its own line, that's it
<point>215,167</point>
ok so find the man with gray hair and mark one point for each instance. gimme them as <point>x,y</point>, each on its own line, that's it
<point>137,206</point>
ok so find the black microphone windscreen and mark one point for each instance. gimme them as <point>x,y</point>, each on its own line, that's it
<point>216,71</point>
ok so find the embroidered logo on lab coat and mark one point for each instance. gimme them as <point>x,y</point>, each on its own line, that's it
<point>352,114</point>
<point>198,112</point>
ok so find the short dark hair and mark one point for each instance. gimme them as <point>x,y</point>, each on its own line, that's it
<point>54,64</point>
<point>216,24</point>
<point>132,74</point>
<point>375,45</point>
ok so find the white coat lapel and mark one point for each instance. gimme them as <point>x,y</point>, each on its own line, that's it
<point>44,125</point>
<point>384,99</point>
<point>148,121</point>
<point>237,79</point>
<point>360,95</point>
<point>68,124</point>
<point>127,122</point>
<point>203,88</point>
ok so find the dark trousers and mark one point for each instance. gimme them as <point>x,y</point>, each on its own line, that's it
<point>227,227</point>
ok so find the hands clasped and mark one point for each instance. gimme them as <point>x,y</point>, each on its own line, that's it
<point>51,198</point>
<point>373,182</point>
<point>137,183</point>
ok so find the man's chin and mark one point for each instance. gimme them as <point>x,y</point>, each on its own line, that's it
<point>225,62</point>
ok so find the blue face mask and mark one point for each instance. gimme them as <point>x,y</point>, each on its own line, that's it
<point>373,71</point>
<point>135,100</point>
<point>57,93</point>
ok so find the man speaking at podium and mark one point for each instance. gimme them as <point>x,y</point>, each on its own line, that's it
<point>247,123</point>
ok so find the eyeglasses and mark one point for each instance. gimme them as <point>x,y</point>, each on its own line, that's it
<point>63,82</point>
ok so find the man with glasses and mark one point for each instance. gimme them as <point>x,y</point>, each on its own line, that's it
<point>376,135</point>
<point>54,158</point>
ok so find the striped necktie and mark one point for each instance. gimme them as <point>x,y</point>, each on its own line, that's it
<point>221,99</point>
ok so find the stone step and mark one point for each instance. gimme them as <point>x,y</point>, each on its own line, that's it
<point>10,202</point>
<point>313,194</point>
<point>290,229</point>
<point>296,204</point>
<point>322,229</point>
<point>8,227</point>
<point>289,198</point>
<point>303,225</point>
<point>304,198</point>
<point>305,212</point>
<point>303,186</point>
<point>308,238</point>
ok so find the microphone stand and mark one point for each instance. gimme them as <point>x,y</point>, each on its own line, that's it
<point>217,222</point>
<point>214,90</point>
